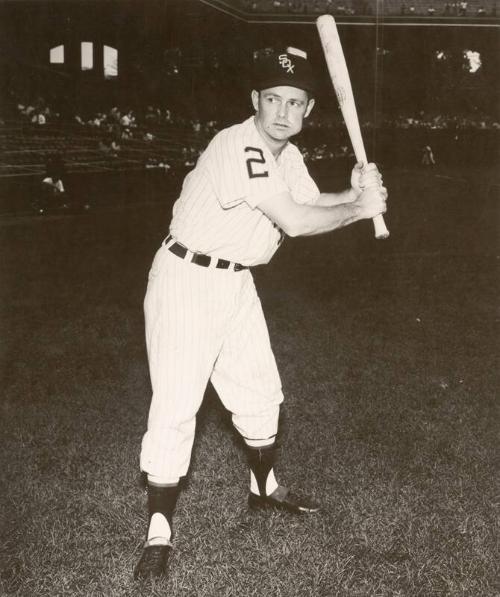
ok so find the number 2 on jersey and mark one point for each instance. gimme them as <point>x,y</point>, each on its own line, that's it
<point>253,171</point>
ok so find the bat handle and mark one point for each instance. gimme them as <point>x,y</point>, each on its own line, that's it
<point>381,231</point>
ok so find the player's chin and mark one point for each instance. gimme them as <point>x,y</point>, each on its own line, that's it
<point>283,132</point>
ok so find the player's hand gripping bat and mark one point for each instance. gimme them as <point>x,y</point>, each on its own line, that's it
<point>339,75</point>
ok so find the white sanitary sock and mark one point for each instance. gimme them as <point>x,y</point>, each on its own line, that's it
<point>159,531</point>
<point>271,483</point>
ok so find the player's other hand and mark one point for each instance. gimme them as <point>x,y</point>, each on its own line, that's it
<point>372,202</point>
<point>364,177</point>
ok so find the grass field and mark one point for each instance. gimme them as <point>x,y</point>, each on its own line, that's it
<point>389,361</point>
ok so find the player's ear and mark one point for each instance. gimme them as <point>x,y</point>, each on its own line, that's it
<point>255,100</point>
<point>310,106</point>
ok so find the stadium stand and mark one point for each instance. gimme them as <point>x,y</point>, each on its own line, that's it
<point>26,146</point>
<point>408,8</point>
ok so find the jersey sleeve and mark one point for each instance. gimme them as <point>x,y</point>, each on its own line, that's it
<point>302,187</point>
<point>242,170</point>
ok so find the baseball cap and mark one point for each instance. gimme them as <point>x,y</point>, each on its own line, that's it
<point>289,67</point>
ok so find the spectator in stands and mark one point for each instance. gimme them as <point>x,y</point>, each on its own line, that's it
<point>50,115</point>
<point>152,115</point>
<point>428,156</point>
<point>128,119</point>
<point>431,11</point>
<point>463,8</point>
<point>114,115</point>
<point>189,156</point>
<point>211,127</point>
<point>127,122</point>
<point>157,163</point>
<point>115,147</point>
<point>481,12</point>
<point>26,111</point>
<point>109,146</point>
<point>39,118</point>
<point>97,120</point>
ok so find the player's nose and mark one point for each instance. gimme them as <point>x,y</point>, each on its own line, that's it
<point>283,110</point>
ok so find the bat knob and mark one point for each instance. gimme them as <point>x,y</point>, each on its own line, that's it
<point>381,231</point>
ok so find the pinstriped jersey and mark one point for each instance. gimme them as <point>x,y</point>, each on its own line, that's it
<point>217,212</point>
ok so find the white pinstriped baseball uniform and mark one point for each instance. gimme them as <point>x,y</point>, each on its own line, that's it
<point>207,323</point>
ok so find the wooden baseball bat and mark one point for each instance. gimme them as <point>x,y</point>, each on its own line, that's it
<point>337,67</point>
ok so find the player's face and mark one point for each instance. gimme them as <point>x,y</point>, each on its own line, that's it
<point>280,112</point>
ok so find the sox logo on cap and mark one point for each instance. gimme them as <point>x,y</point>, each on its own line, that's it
<point>286,63</point>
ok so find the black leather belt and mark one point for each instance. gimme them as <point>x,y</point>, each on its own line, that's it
<point>201,259</point>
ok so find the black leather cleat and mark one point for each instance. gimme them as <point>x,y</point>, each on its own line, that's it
<point>282,499</point>
<point>153,562</point>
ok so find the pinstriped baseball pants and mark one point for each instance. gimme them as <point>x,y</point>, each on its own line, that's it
<point>204,324</point>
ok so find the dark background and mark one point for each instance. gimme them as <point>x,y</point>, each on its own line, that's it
<point>213,52</point>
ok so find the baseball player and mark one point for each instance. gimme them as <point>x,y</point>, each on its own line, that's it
<point>204,320</point>
<point>53,193</point>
